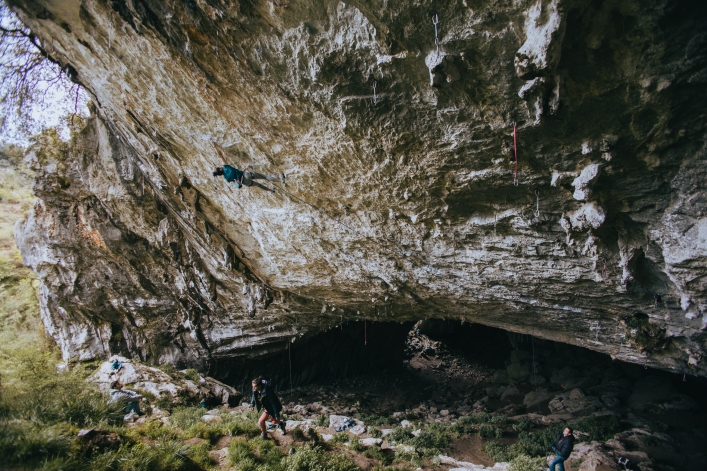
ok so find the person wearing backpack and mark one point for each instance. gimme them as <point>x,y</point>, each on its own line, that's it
<point>264,397</point>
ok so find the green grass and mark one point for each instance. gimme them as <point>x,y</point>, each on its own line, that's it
<point>322,421</point>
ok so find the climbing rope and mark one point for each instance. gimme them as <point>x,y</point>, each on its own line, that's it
<point>435,21</point>
<point>515,154</point>
<point>375,97</point>
<point>217,58</point>
<point>532,342</point>
<point>537,207</point>
<point>289,357</point>
<point>365,340</point>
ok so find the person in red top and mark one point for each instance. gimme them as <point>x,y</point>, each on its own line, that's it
<point>562,447</point>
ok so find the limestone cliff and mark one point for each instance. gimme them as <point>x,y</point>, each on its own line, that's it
<point>404,197</point>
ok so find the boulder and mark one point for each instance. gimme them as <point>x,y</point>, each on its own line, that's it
<point>593,456</point>
<point>519,371</point>
<point>653,391</point>
<point>533,398</point>
<point>303,425</point>
<point>510,391</point>
<point>339,420</point>
<point>368,442</point>
<point>134,375</point>
<point>579,406</point>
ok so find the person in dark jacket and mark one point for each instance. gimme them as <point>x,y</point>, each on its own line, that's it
<point>264,397</point>
<point>562,447</point>
<point>232,174</point>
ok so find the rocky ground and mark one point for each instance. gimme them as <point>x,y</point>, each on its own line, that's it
<point>476,401</point>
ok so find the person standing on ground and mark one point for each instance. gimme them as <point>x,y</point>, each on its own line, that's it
<point>264,397</point>
<point>232,174</point>
<point>562,447</point>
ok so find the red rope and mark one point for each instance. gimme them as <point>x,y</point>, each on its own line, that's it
<point>365,341</point>
<point>515,154</point>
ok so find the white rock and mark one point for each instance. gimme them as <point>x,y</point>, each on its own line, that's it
<point>584,182</point>
<point>589,215</point>
<point>303,425</point>
<point>416,433</point>
<point>405,423</point>
<point>327,436</point>
<point>544,30</point>
<point>386,431</point>
<point>371,442</point>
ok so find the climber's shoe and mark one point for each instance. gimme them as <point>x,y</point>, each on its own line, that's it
<point>282,427</point>
<point>282,178</point>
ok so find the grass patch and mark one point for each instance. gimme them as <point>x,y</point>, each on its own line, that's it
<point>374,419</point>
<point>322,421</point>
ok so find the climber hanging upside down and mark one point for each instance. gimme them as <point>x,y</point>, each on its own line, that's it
<point>232,174</point>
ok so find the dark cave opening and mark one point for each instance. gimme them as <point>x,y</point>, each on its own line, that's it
<point>383,350</point>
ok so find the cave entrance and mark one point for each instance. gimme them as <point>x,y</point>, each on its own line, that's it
<point>450,366</point>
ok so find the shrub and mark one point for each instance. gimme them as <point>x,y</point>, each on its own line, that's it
<point>339,437</point>
<point>308,458</point>
<point>599,428</point>
<point>199,454</point>
<point>496,451</point>
<point>489,431</point>
<point>192,375</point>
<point>239,424</point>
<point>322,421</point>
<point>375,453</point>
<point>154,429</point>
<point>298,434</point>
<point>431,439</point>
<point>374,432</point>
<point>499,419</point>
<point>249,454</point>
<point>29,444</point>
<point>526,463</point>
<point>522,425</point>
<point>185,417</point>
<point>374,419</point>
<point>399,435</point>
<point>355,444</point>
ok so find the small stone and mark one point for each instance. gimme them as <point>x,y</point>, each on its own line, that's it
<point>407,423</point>
<point>444,413</point>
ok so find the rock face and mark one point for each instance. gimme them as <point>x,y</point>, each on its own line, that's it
<point>400,202</point>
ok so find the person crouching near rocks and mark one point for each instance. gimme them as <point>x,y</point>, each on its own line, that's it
<point>562,447</point>
<point>264,397</point>
<point>129,398</point>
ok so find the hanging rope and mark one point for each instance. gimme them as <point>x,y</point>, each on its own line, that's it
<point>537,207</point>
<point>289,358</point>
<point>532,341</point>
<point>515,154</point>
<point>375,97</point>
<point>435,21</point>
<point>365,340</point>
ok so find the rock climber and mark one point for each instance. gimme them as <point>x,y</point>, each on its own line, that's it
<point>130,398</point>
<point>562,447</point>
<point>264,397</point>
<point>232,174</point>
